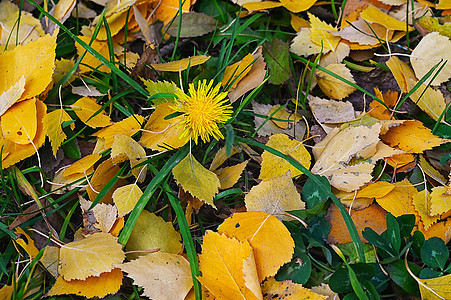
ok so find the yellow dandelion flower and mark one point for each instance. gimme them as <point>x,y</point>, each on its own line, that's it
<point>203,109</point>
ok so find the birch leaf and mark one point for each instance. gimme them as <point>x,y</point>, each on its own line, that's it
<point>234,73</point>
<point>196,179</point>
<point>399,201</point>
<point>11,95</point>
<point>128,127</point>
<point>275,196</point>
<point>83,165</point>
<point>19,123</point>
<point>91,256</point>
<point>85,108</point>
<point>440,200</point>
<point>160,87</point>
<point>181,65</point>
<point>421,202</point>
<point>271,241</point>
<point>52,125</point>
<point>435,288</point>
<point>287,290</point>
<point>123,148</point>
<point>105,215</point>
<point>164,276</point>
<point>126,197</point>
<point>228,176</point>
<point>333,87</point>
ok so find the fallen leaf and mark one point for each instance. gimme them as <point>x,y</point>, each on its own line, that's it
<point>421,202</point>
<point>152,232</point>
<point>128,127</point>
<point>196,179</point>
<point>372,216</point>
<point>270,240</point>
<point>275,166</point>
<point>84,165</point>
<point>333,87</point>
<point>19,123</point>
<point>379,111</point>
<point>11,95</point>
<point>440,200</point>
<point>282,118</point>
<point>181,65</point>
<point>331,111</point>
<point>221,157</point>
<point>277,56</point>
<point>26,242</point>
<point>228,176</point>
<point>52,125</point>
<point>430,171</point>
<point>365,33</point>
<point>234,73</point>
<point>91,256</point>
<point>297,6</point>
<point>50,259</point>
<point>105,215</point>
<point>163,276</point>
<point>160,87</point>
<point>89,62</point>
<point>275,196</point>
<point>194,24</point>
<point>374,15</point>
<point>126,197</point>
<point>287,290</point>
<point>399,201</point>
<point>126,148</point>
<point>435,288</point>
<point>161,134</point>
<point>86,107</point>
<point>439,229</point>
<point>92,287</point>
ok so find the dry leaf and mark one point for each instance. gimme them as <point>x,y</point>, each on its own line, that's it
<point>85,108</point>
<point>430,171</point>
<point>26,242</point>
<point>126,197</point>
<point>234,73</point>
<point>128,127</point>
<point>435,288</point>
<point>52,125</point>
<point>123,148</point>
<point>372,216</point>
<point>372,14</point>
<point>275,166</point>
<point>221,157</point>
<point>104,215</point>
<point>297,6</point>
<point>379,111</point>
<point>287,290</point>
<point>50,259</point>
<point>331,111</point>
<point>275,196</point>
<point>91,256</point>
<point>365,33</point>
<point>399,201</point>
<point>333,87</point>
<point>228,176</point>
<point>89,62</point>
<point>181,65</point>
<point>19,123</point>
<point>421,202</point>
<point>11,95</point>
<point>152,232</point>
<point>84,165</point>
<point>163,276</point>
<point>92,287</point>
<point>271,241</point>
<point>440,200</point>
<point>160,134</point>
<point>282,118</point>
<point>196,179</point>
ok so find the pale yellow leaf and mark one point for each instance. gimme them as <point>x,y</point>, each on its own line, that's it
<point>85,108</point>
<point>151,232</point>
<point>11,95</point>
<point>50,259</point>
<point>221,157</point>
<point>440,200</point>
<point>83,165</point>
<point>331,111</point>
<point>430,171</point>
<point>297,22</point>
<point>332,86</point>
<point>275,166</point>
<point>92,287</point>
<point>385,151</point>
<point>123,148</point>
<point>181,65</point>
<point>126,197</point>
<point>287,290</point>
<point>421,202</point>
<point>164,276</point>
<point>196,179</point>
<point>228,176</point>
<point>271,241</point>
<point>19,123</point>
<point>282,118</point>
<point>128,126</point>
<point>275,196</point>
<point>91,256</point>
<point>365,33</point>
<point>234,73</point>
<point>160,134</point>
<point>105,214</point>
<point>334,57</point>
<point>52,125</point>
<point>261,6</point>
<point>321,34</point>
<point>303,45</point>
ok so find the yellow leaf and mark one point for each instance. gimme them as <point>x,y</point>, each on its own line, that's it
<point>287,290</point>
<point>333,87</point>
<point>373,216</point>
<point>412,136</point>
<point>435,288</point>
<point>271,241</point>
<point>26,242</point>
<point>221,157</point>
<point>399,201</point>
<point>93,287</point>
<point>303,45</point>
<point>320,34</point>
<point>123,148</point>
<point>11,95</point>
<point>331,111</point>
<point>196,179</point>
<point>365,33</point>
<point>403,74</point>
<point>85,108</point>
<point>50,259</point>
<point>443,4</point>
<point>253,78</point>
<point>105,215</point>
<point>421,202</point>
<point>17,152</point>
<point>35,61</point>
<point>234,73</point>
<point>6,291</point>
<point>162,275</point>
<point>89,62</point>
<point>372,14</point>
<point>432,49</point>
<point>160,134</point>
<point>275,196</point>
<point>91,256</point>
<point>287,119</point>
<point>385,151</point>
<point>160,87</point>
<point>62,67</point>
<point>335,160</point>
<point>52,125</point>
<point>430,171</point>
<point>297,6</point>
<point>126,197</point>
<point>228,176</point>
<point>297,22</point>
<point>63,9</point>
<point>102,175</point>
<point>128,126</point>
<point>261,6</point>
<point>181,65</point>
<point>275,166</point>
<point>151,232</point>
<point>221,266</point>
<point>83,165</point>
<point>440,200</point>
<point>19,123</point>
<point>168,9</point>
<point>379,111</point>
<point>441,230</point>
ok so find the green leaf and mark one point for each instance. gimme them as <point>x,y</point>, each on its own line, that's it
<point>160,91</point>
<point>312,194</point>
<point>393,233</point>
<point>297,270</point>
<point>434,253</point>
<point>277,58</point>
<point>398,273</point>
